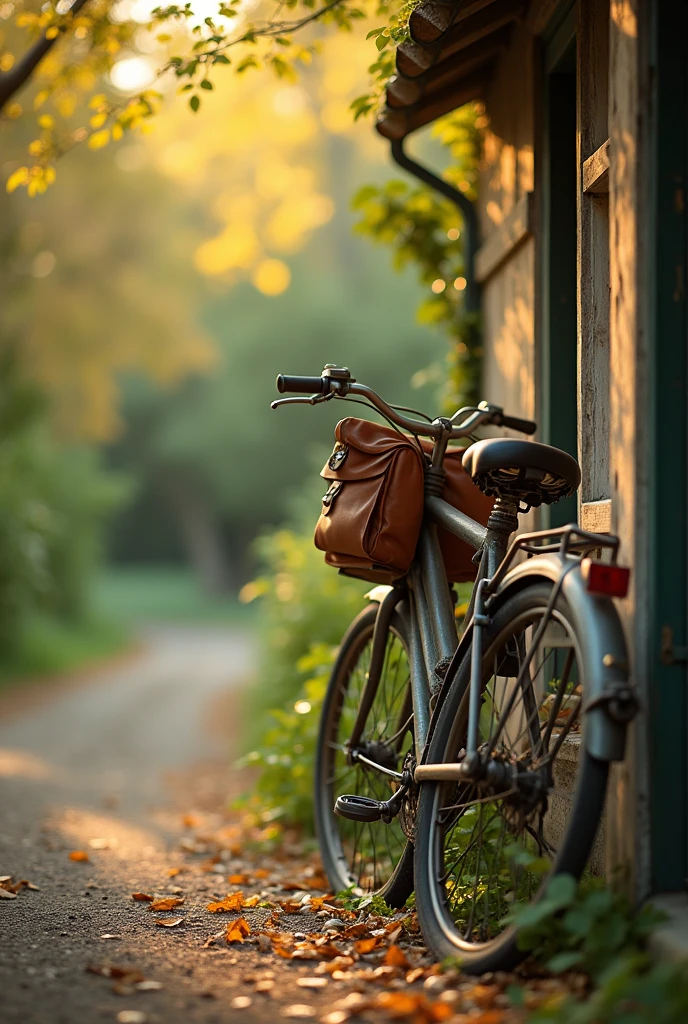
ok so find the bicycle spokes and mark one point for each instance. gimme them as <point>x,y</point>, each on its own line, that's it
<point>499,826</point>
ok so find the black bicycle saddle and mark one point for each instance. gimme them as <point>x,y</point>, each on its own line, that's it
<point>531,472</point>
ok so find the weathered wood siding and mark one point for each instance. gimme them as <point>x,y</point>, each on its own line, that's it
<point>508,295</point>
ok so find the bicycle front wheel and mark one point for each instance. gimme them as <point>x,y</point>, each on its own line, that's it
<point>484,846</point>
<point>367,857</point>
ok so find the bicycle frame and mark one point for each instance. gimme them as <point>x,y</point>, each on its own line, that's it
<point>434,643</point>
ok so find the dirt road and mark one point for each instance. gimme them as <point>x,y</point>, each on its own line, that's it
<point>87,769</point>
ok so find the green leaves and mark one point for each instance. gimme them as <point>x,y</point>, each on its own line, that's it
<point>195,103</point>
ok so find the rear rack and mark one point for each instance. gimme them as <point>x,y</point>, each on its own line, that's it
<point>571,540</point>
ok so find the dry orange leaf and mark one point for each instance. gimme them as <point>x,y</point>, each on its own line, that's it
<point>483,995</point>
<point>395,957</point>
<point>232,901</point>
<point>252,901</point>
<point>489,1017</point>
<point>239,880</point>
<point>261,873</point>
<point>316,882</point>
<point>169,922</point>
<point>78,855</point>
<point>238,930</point>
<point>168,903</point>
<point>399,1004</point>
<point>173,872</point>
<point>188,821</point>
<point>142,897</point>
<point>367,945</point>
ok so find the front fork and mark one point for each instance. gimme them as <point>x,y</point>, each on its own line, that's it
<point>377,660</point>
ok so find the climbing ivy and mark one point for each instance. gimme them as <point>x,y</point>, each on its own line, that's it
<point>425,230</point>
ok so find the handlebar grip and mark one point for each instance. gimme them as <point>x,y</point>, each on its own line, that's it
<point>307,385</point>
<point>515,423</point>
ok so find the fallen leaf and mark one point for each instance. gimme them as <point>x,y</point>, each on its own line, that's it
<point>252,901</point>
<point>311,982</point>
<point>232,901</point>
<point>239,880</point>
<point>5,878</point>
<point>169,922</point>
<point>237,930</point>
<point>131,1017</point>
<point>367,945</point>
<point>5,895</point>
<point>173,872</point>
<point>299,1010</point>
<point>149,986</point>
<point>395,957</point>
<point>483,995</point>
<point>317,882</point>
<point>261,873</point>
<point>336,1017</point>
<point>168,903</point>
<point>109,935</point>
<point>188,821</point>
<point>266,985</point>
<point>78,855</point>
<point>241,1002</point>
<point>142,897</point>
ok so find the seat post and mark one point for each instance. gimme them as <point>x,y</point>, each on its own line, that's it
<point>502,523</point>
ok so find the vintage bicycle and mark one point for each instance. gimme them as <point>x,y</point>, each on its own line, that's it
<point>464,752</point>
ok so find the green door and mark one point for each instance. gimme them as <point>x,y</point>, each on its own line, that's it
<point>558,358</point>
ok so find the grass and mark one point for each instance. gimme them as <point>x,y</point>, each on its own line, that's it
<point>51,647</point>
<point>124,597</point>
<point>130,595</point>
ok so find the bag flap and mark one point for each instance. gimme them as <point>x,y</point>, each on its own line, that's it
<point>364,450</point>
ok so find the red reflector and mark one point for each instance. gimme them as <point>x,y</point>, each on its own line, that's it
<point>610,580</point>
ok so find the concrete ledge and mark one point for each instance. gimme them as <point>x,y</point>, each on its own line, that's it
<point>670,940</point>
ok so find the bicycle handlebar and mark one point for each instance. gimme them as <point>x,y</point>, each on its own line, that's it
<point>336,382</point>
<point>515,423</point>
<point>303,385</point>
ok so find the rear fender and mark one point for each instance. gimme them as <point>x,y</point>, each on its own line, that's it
<point>610,701</point>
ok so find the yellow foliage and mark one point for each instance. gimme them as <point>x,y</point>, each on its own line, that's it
<point>99,139</point>
<point>17,178</point>
<point>271,277</point>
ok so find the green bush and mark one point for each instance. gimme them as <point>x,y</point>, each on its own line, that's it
<point>53,503</point>
<point>305,608</point>
<point>592,929</point>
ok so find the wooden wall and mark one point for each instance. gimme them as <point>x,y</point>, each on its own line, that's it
<point>506,260</point>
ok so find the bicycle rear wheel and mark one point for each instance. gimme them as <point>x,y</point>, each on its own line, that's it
<point>369,857</point>
<point>484,846</point>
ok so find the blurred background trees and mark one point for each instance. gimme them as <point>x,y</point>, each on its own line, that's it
<point>147,301</point>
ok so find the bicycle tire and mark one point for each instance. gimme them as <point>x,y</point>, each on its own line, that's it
<point>334,833</point>
<point>433,889</point>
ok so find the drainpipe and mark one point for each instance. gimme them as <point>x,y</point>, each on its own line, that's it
<point>467,208</point>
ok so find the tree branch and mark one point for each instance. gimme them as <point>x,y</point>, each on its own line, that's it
<point>12,81</point>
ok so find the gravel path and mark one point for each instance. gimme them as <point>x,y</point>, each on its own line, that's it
<point>87,768</point>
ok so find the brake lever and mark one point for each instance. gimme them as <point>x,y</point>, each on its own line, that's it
<point>313,400</point>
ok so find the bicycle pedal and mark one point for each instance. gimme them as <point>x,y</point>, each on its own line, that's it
<point>359,808</point>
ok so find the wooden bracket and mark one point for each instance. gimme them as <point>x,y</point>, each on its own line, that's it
<point>596,171</point>
<point>596,516</point>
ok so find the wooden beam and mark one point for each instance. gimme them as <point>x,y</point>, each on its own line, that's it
<point>596,171</point>
<point>596,516</point>
<point>504,240</point>
<point>540,13</point>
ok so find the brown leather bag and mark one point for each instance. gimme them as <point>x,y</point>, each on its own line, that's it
<point>462,493</point>
<point>373,509</point>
